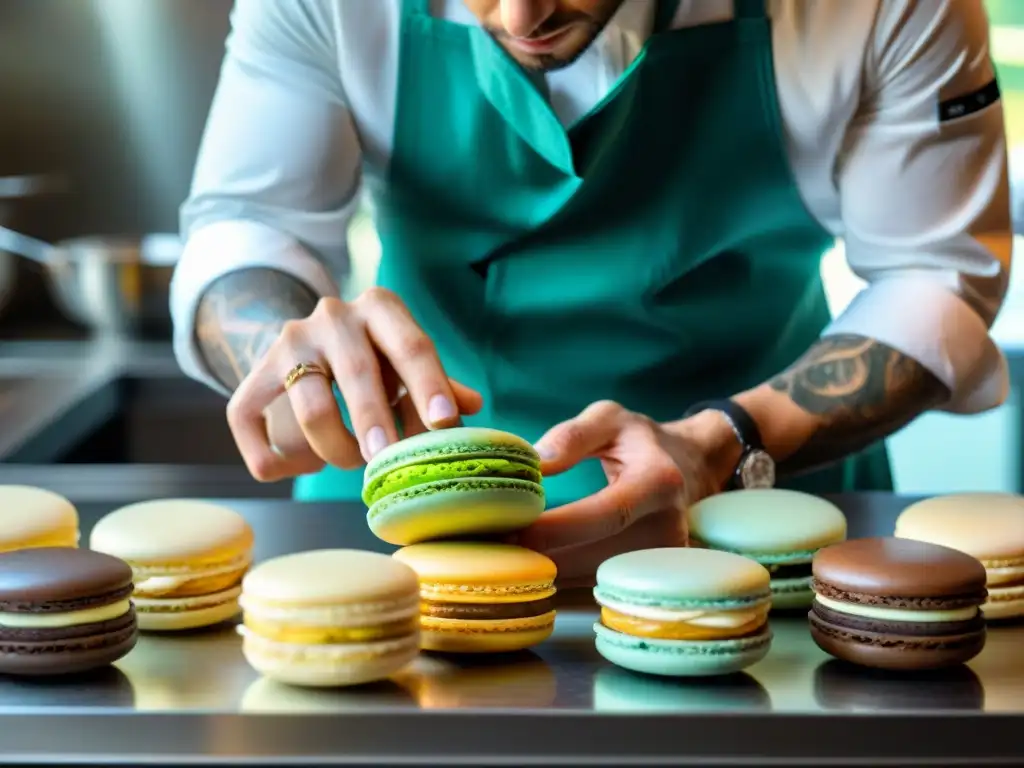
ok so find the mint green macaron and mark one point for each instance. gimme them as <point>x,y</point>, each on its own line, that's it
<point>683,612</point>
<point>453,483</point>
<point>778,528</point>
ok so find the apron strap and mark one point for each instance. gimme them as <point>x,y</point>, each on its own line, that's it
<point>415,7</point>
<point>751,9</point>
<point>665,14</point>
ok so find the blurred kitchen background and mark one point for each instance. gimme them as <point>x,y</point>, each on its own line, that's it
<point>102,104</point>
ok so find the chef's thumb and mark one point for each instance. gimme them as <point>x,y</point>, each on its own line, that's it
<point>567,444</point>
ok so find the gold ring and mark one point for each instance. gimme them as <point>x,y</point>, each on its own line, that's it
<point>301,370</point>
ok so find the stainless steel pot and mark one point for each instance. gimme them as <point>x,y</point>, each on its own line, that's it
<point>113,285</point>
<point>12,190</point>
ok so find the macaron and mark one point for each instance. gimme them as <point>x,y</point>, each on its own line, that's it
<point>35,517</point>
<point>778,528</point>
<point>482,597</point>
<point>63,611</point>
<point>330,617</point>
<point>188,557</point>
<point>897,604</point>
<point>453,483</point>
<point>683,612</point>
<point>988,526</point>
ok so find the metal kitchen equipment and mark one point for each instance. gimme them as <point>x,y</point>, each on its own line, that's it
<point>111,284</point>
<point>12,190</point>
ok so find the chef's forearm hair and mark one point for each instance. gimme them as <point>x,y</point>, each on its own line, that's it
<point>242,313</point>
<point>860,390</point>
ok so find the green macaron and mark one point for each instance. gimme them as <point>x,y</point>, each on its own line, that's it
<point>778,528</point>
<point>453,483</point>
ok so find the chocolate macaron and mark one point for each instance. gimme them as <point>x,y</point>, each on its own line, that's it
<point>63,611</point>
<point>897,604</point>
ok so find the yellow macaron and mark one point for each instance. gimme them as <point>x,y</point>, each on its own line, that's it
<point>482,597</point>
<point>188,557</point>
<point>330,617</point>
<point>34,517</point>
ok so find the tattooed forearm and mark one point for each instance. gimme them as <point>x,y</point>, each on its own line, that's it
<point>860,389</point>
<point>241,314</point>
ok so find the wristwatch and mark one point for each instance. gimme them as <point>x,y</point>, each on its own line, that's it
<point>756,468</point>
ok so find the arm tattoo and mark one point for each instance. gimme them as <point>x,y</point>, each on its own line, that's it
<point>861,391</point>
<point>240,316</point>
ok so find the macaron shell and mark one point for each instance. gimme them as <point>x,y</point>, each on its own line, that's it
<point>329,577</point>
<point>479,572</point>
<point>1004,603</point>
<point>68,657</point>
<point>680,574</point>
<point>681,658</point>
<point>57,574</point>
<point>329,666</point>
<point>187,613</point>
<point>788,594</point>
<point>898,568</point>
<point>989,526</point>
<point>173,530</point>
<point>460,508</point>
<point>770,521</point>
<point>894,652</point>
<point>34,517</point>
<point>458,636</point>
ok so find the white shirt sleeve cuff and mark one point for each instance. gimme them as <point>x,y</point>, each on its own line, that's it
<point>932,325</point>
<point>226,246</point>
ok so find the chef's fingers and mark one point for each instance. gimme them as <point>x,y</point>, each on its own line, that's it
<point>342,335</point>
<point>245,412</point>
<point>287,439</point>
<point>567,444</point>
<point>639,491</point>
<point>394,331</point>
<point>409,417</point>
<point>468,400</point>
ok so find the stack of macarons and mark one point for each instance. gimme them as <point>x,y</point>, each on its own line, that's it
<point>438,494</point>
<point>988,526</point>
<point>781,529</point>
<point>188,558</point>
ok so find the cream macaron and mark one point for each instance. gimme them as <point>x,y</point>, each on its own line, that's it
<point>330,617</point>
<point>987,526</point>
<point>34,517</point>
<point>188,558</point>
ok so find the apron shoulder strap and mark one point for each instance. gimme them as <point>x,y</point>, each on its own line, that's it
<point>751,9</point>
<point>415,7</point>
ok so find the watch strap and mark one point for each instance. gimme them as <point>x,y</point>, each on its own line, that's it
<point>742,422</point>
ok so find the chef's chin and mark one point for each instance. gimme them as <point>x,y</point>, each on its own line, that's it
<point>567,50</point>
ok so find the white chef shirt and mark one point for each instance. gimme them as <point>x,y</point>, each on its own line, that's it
<point>303,120</point>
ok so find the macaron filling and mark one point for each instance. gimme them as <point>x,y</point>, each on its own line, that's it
<point>683,619</point>
<point>406,477</point>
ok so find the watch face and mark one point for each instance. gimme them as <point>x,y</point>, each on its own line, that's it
<point>757,470</point>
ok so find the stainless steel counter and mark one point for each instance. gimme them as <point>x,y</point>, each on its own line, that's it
<point>192,699</point>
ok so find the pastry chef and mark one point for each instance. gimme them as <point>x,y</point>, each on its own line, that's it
<point>601,225</point>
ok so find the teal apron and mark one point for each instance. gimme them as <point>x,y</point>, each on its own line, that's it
<point>656,253</point>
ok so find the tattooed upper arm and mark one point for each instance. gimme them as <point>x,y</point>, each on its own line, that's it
<point>861,391</point>
<point>241,314</point>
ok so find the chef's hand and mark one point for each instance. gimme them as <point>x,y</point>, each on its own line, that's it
<point>384,364</point>
<point>655,471</point>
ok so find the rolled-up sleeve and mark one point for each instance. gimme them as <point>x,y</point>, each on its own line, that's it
<point>924,198</point>
<point>278,172</point>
